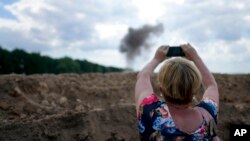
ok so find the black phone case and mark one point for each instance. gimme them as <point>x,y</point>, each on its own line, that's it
<point>175,51</point>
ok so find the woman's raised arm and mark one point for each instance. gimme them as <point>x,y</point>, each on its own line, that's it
<point>143,85</point>
<point>208,81</point>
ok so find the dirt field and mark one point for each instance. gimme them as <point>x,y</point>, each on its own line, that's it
<point>96,107</point>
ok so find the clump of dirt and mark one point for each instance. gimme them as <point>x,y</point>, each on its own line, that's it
<point>94,106</point>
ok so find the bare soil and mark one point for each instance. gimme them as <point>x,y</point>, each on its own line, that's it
<point>94,106</point>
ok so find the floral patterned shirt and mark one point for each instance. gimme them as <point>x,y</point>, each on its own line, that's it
<point>156,124</point>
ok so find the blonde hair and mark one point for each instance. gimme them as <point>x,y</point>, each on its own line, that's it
<point>180,81</point>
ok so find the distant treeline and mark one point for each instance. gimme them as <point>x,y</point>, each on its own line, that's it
<point>20,62</point>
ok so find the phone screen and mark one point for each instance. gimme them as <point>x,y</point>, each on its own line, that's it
<point>175,51</point>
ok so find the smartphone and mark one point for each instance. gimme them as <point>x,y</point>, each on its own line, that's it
<point>174,51</point>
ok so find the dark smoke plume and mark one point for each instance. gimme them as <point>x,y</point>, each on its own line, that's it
<point>137,39</point>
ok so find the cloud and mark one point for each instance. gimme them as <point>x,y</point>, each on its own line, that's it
<point>219,30</point>
<point>66,22</point>
<point>13,39</point>
<point>209,20</point>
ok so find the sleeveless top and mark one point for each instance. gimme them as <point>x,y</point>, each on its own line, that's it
<point>155,122</point>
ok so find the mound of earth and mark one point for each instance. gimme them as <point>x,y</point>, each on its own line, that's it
<point>94,106</point>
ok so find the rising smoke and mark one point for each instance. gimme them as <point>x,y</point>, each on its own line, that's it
<point>138,39</point>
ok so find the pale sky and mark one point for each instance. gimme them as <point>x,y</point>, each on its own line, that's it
<point>92,29</point>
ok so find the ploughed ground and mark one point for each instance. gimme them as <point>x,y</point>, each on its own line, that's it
<point>94,106</point>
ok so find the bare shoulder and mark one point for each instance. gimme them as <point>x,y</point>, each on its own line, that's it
<point>204,113</point>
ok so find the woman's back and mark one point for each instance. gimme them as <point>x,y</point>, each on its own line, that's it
<point>187,120</point>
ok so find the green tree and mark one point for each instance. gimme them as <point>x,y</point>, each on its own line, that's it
<point>19,61</point>
<point>5,63</point>
<point>66,65</point>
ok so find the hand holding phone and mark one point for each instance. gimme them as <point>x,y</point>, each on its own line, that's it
<point>175,51</point>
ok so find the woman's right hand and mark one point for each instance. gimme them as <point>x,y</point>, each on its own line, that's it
<point>190,52</point>
<point>160,54</point>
